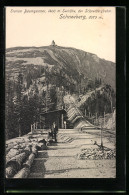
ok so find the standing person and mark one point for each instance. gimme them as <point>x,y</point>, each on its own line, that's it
<point>55,132</point>
<point>49,137</point>
<point>65,124</point>
<point>52,129</point>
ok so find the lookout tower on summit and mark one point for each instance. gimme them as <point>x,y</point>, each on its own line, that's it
<point>53,43</point>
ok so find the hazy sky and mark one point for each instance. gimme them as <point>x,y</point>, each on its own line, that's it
<point>39,29</point>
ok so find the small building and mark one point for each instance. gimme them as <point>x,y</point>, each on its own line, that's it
<point>47,118</point>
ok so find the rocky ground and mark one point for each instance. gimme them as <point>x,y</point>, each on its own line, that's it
<point>77,155</point>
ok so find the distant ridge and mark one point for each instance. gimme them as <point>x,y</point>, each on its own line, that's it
<point>71,61</point>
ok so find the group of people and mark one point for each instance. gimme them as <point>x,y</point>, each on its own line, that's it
<point>53,133</point>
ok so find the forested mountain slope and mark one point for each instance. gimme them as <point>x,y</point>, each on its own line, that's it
<point>37,78</point>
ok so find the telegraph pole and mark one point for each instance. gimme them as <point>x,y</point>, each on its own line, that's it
<point>46,98</point>
<point>46,89</point>
<point>62,121</point>
<point>104,119</point>
<point>96,118</point>
<point>85,112</point>
<point>101,137</point>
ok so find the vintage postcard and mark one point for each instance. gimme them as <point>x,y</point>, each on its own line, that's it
<point>60,92</point>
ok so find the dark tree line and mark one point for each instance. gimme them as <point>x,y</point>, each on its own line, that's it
<point>20,112</point>
<point>99,102</point>
<point>92,84</point>
<point>23,110</point>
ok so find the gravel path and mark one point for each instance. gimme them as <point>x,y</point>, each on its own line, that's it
<point>61,159</point>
